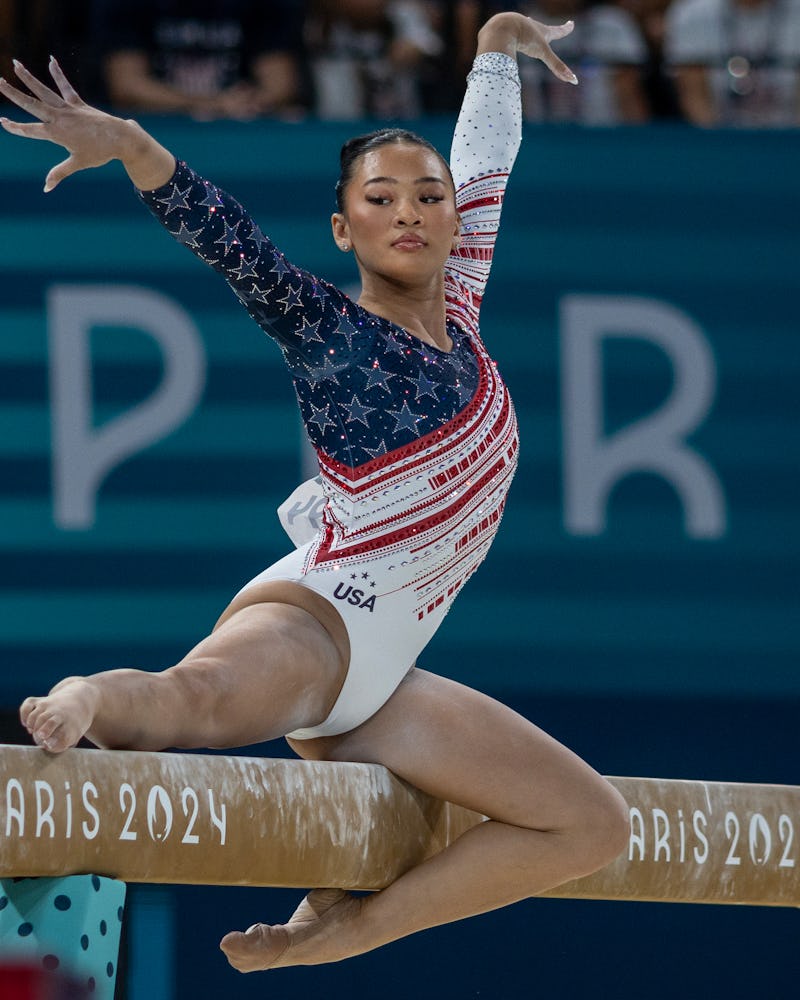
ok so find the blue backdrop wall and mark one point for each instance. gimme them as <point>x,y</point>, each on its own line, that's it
<point>641,598</point>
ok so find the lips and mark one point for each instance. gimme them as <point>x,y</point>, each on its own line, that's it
<point>409,243</point>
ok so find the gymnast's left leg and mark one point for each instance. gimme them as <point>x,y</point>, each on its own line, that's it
<point>551,819</point>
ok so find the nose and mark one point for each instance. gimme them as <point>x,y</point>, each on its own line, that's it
<point>407,213</point>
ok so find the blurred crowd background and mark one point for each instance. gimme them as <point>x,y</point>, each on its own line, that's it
<point>707,62</point>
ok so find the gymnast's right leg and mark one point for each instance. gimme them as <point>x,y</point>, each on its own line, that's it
<point>267,669</point>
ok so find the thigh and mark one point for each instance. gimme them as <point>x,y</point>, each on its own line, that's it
<point>268,669</point>
<point>460,745</point>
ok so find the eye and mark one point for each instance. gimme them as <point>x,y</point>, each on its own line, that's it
<point>431,199</point>
<point>377,199</point>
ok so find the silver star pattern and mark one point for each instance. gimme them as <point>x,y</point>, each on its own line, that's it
<point>357,411</point>
<point>405,419</point>
<point>320,417</point>
<point>175,200</point>
<point>376,376</point>
<point>230,237</point>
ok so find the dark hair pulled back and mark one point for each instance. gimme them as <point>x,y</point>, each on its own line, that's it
<point>355,148</point>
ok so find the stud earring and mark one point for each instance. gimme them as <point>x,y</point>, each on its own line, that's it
<point>344,247</point>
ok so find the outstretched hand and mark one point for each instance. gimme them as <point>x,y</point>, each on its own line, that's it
<point>91,137</point>
<point>534,40</point>
<point>511,32</point>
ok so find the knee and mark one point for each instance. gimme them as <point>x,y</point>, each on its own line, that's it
<point>604,830</point>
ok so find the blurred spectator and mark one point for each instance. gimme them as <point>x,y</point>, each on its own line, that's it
<point>657,80</point>
<point>8,37</point>
<point>367,55</point>
<point>606,51</point>
<point>22,33</point>
<point>456,22</point>
<point>736,62</point>
<point>208,58</point>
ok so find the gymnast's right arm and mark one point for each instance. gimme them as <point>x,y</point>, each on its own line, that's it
<point>206,220</point>
<point>90,136</point>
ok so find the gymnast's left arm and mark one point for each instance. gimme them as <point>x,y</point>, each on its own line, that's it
<point>485,145</point>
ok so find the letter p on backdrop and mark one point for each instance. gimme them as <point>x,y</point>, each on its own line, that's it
<point>83,454</point>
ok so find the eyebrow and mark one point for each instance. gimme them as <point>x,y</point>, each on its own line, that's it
<point>393,180</point>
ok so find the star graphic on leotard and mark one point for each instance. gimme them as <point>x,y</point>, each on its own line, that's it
<point>425,387</point>
<point>258,237</point>
<point>377,377</point>
<point>175,200</point>
<point>348,330</point>
<point>456,362</point>
<point>378,452</point>
<point>465,393</point>
<point>310,331</point>
<point>246,269</point>
<point>206,253</point>
<point>320,417</point>
<point>280,267</point>
<point>405,419</point>
<point>187,236</point>
<point>356,411</point>
<point>393,346</point>
<point>317,290</point>
<point>230,237</point>
<point>332,364</point>
<point>255,294</point>
<point>292,299</point>
<point>212,198</point>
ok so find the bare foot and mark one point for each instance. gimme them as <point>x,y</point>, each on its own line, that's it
<point>57,721</point>
<point>313,935</point>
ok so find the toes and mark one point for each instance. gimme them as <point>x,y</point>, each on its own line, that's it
<point>27,710</point>
<point>256,949</point>
<point>46,726</point>
<point>51,733</point>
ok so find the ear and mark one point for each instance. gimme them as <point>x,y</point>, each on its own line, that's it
<point>341,231</point>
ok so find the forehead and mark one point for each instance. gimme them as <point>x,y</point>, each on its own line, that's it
<point>402,161</point>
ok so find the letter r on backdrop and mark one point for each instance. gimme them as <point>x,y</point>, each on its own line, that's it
<point>594,462</point>
<point>83,453</point>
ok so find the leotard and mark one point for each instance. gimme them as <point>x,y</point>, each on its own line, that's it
<point>417,446</point>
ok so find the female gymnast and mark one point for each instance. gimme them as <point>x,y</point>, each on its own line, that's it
<point>416,439</point>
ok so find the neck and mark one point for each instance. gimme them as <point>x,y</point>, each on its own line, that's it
<point>421,311</point>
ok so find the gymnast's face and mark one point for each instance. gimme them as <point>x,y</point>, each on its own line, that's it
<point>399,214</point>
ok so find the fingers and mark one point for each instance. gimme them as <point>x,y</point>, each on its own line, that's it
<point>28,130</point>
<point>25,101</point>
<point>44,98</point>
<point>537,45</point>
<point>45,94</point>
<point>59,172</point>
<point>555,31</point>
<point>560,69</point>
<point>68,92</point>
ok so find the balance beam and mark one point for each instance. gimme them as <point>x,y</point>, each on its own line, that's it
<point>225,820</point>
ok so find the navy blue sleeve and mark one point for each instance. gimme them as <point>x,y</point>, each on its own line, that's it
<point>299,311</point>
